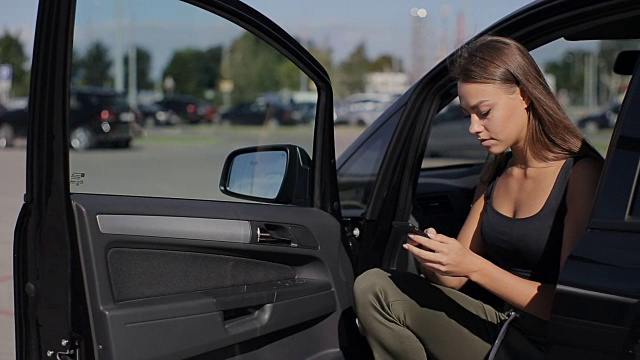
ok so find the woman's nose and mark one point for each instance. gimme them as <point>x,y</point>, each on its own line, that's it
<point>474,125</point>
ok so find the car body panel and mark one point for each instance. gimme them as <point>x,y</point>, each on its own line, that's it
<point>13,125</point>
<point>256,113</point>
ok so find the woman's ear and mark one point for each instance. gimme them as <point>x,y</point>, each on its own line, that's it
<point>524,97</point>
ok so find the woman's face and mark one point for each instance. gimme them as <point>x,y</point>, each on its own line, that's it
<point>498,115</point>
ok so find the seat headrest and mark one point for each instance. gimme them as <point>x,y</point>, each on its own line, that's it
<point>626,62</point>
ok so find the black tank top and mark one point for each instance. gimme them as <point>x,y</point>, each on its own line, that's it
<point>528,247</point>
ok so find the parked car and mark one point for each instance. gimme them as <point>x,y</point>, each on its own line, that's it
<point>270,274</point>
<point>97,116</point>
<point>602,120</point>
<point>13,125</point>
<point>260,112</point>
<point>189,109</point>
<point>363,109</point>
<point>303,113</point>
<point>157,115</point>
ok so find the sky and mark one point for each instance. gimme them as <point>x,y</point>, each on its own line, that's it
<point>386,28</point>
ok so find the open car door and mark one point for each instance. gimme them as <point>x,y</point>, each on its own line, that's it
<point>133,254</point>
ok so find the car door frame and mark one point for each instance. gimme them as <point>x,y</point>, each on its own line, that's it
<point>49,296</point>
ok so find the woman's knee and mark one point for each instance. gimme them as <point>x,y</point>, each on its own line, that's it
<point>367,287</point>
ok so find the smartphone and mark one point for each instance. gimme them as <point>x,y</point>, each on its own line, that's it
<point>407,228</point>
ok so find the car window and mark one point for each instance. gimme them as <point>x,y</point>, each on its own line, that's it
<point>358,174</point>
<point>201,68</point>
<point>449,140</point>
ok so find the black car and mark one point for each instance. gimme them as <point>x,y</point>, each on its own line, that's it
<point>157,115</point>
<point>602,120</point>
<point>97,116</point>
<point>270,274</point>
<point>189,109</point>
<point>261,112</point>
<point>13,125</point>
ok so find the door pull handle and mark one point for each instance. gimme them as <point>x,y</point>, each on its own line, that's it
<point>265,237</point>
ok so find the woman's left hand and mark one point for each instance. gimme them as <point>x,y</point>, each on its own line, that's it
<point>442,255</point>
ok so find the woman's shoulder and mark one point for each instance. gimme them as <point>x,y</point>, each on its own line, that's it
<point>584,165</point>
<point>585,174</point>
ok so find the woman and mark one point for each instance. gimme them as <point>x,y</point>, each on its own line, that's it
<point>531,207</point>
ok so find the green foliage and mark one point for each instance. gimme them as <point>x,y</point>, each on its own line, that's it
<point>94,66</point>
<point>12,52</point>
<point>385,63</point>
<point>195,71</point>
<point>351,72</point>
<point>569,73</point>
<point>255,68</point>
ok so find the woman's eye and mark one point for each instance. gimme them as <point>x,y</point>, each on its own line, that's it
<point>485,114</point>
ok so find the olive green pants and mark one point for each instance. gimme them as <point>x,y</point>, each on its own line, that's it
<point>405,316</point>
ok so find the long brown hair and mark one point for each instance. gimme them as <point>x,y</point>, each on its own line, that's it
<point>489,59</point>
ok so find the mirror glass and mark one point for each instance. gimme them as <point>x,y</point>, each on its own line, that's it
<point>258,174</point>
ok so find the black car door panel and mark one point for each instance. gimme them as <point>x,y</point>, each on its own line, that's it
<point>187,277</point>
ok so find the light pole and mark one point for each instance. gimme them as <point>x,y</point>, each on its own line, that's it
<point>418,50</point>
<point>118,60</point>
<point>133,62</point>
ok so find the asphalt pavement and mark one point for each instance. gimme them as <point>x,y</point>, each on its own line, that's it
<point>12,188</point>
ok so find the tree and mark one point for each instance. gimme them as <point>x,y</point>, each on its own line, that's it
<point>255,67</point>
<point>352,71</point>
<point>12,52</point>
<point>195,71</point>
<point>385,63</point>
<point>569,73</point>
<point>143,69</point>
<point>77,70</point>
<point>210,67</point>
<point>95,65</point>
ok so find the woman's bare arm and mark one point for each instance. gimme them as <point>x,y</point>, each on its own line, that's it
<point>469,236</point>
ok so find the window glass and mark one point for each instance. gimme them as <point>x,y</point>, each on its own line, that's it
<point>357,176</point>
<point>163,91</point>
<point>449,140</point>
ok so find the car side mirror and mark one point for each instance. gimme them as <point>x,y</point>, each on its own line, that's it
<point>277,174</point>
